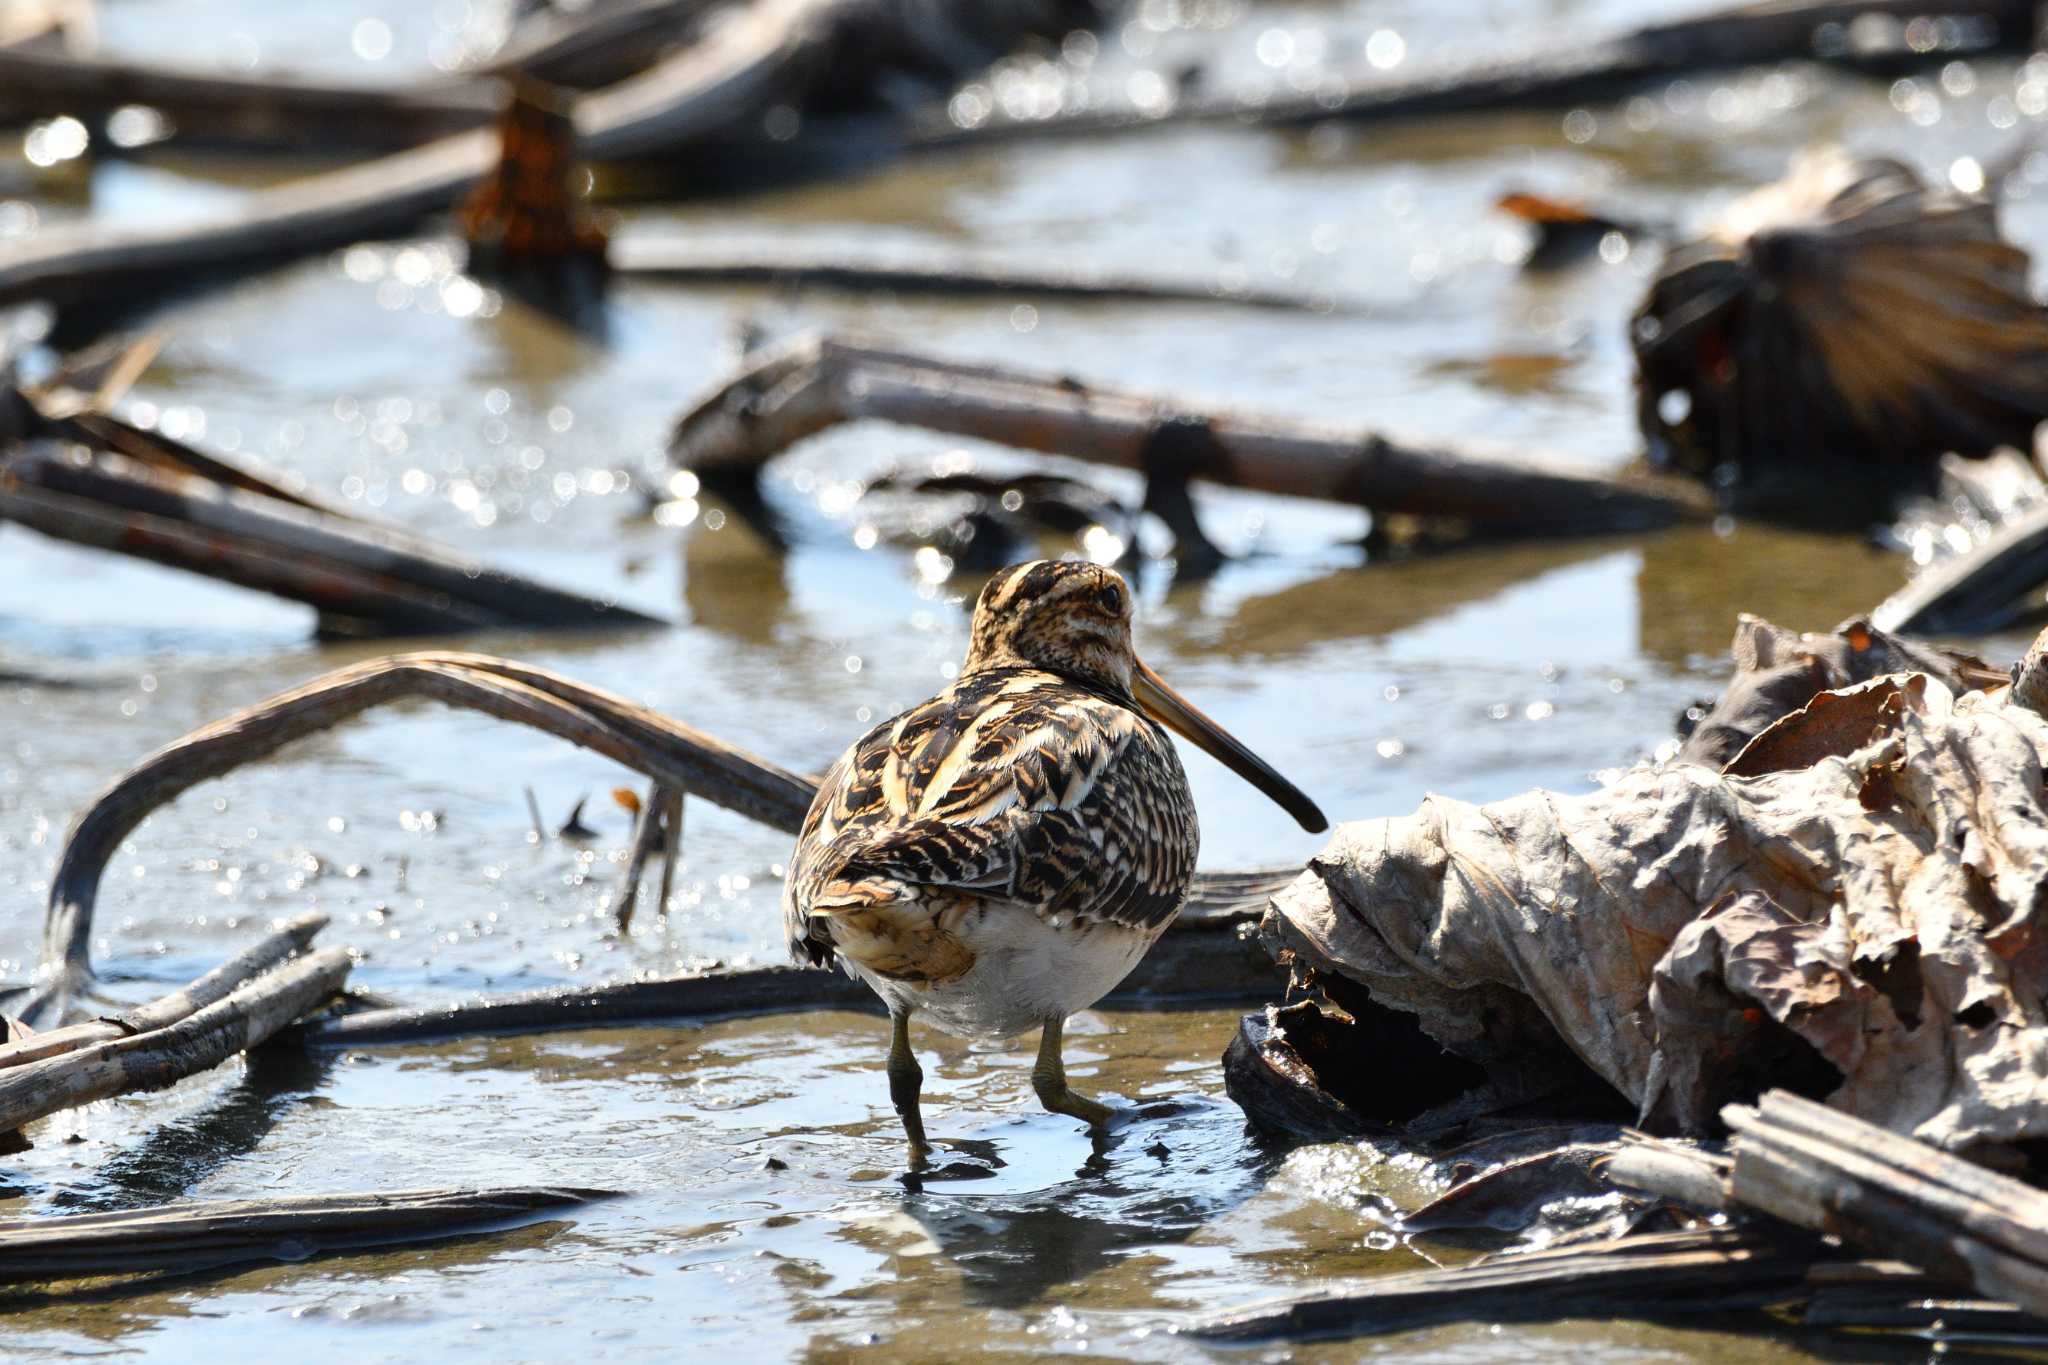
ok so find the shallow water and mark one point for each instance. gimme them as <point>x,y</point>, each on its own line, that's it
<point>380,377</point>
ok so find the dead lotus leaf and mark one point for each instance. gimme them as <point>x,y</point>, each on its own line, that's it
<point>1834,725</point>
<point>1778,671</point>
<point>1867,927</point>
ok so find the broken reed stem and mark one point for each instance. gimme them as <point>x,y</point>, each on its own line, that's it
<point>671,844</point>
<point>782,396</point>
<point>150,1061</point>
<point>292,937</point>
<point>1830,1172</point>
<point>643,740</point>
<point>651,834</point>
<point>186,1236</point>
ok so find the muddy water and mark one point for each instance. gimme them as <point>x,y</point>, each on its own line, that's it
<point>765,1217</point>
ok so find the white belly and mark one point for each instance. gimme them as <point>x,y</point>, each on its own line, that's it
<point>1025,972</point>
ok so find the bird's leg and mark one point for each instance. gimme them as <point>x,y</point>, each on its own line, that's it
<point>906,1080</point>
<point>1049,1079</point>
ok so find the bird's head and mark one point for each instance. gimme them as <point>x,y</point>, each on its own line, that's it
<point>1073,619</point>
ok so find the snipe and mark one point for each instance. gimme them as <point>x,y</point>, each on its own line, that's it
<point>1003,854</point>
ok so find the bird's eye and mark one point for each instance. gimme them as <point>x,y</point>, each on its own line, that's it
<point>1112,599</point>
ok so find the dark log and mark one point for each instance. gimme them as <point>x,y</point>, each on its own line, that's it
<point>1714,1271</point>
<point>1991,587</point>
<point>1577,70</point>
<point>191,1236</point>
<point>783,396</point>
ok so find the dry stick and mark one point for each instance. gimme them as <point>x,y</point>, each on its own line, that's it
<point>1750,35</point>
<point>929,270</point>
<point>740,66</point>
<point>648,836</point>
<point>1831,1172</point>
<point>338,565</point>
<point>200,1235</point>
<point>785,395</point>
<point>150,1061</point>
<point>260,956</point>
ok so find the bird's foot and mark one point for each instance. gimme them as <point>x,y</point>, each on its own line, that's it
<point>1097,1115</point>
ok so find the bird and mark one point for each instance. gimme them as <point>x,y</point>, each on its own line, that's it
<point>1001,855</point>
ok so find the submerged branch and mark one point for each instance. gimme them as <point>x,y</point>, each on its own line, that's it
<point>1717,1270</point>
<point>1209,959</point>
<point>1747,35</point>
<point>931,270</point>
<point>190,1236</point>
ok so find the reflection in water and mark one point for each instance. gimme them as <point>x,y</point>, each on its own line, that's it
<point>1693,583</point>
<point>1152,1182</point>
<point>176,1156</point>
<point>736,574</point>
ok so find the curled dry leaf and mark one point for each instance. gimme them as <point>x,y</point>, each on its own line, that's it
<point>1778,671</point>
<point>1857,909</point>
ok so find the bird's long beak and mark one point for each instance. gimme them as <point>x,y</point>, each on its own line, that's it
<point>1173,711</point>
